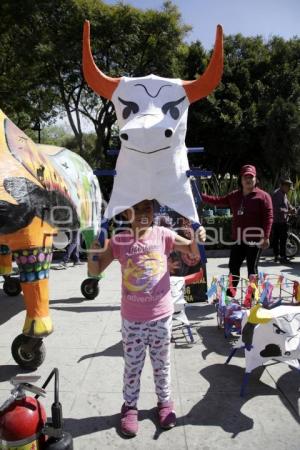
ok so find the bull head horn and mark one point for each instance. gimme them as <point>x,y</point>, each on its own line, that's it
<point>207,82</point>
<point>100,83</point>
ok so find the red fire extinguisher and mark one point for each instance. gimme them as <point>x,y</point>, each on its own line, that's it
<point>23,419</point>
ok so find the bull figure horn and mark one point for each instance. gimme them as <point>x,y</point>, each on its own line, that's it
<point>100,83</point>
<point>207,82</point>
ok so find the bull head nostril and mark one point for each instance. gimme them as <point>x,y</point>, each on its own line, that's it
<point>124,136</point>
<point>168,132</point>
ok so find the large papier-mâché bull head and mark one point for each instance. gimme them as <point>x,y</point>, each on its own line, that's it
<point>152,117</point>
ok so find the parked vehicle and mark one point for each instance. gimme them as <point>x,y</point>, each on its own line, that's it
<point>292,245</point>
<point>293,240</point>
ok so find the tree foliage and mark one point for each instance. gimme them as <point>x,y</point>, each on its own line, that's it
<point>24,95</point>
<point>252,117</point>
<point>44,42</point>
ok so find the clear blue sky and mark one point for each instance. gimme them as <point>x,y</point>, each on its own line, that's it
<point>249,17</point>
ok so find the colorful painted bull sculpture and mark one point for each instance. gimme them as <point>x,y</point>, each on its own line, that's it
<point>42,189</point>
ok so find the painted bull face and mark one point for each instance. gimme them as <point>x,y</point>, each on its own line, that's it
<point>152,117</point>
<point>152,114</point>
<point>274,334</point>
<point>283,336</point>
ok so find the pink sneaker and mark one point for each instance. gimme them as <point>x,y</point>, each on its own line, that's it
<point>129,420</point>
<point>166,415</point>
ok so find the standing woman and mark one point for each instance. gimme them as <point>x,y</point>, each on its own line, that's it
<point>252,213</point>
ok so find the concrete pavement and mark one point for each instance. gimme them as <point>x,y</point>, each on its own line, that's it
<point>86,347</point>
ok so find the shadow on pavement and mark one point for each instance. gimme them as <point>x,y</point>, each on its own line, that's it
<point>10,306</point>
<point>68,300</point>
<point>199,312</point>
<point>8,371</point>
<point>113,350</point>
<point>214,342</point>
<point>292,268</point>
<point>289,386</point>
<point>85,309</point>
<point>221,405</point>
<point>89,425</point>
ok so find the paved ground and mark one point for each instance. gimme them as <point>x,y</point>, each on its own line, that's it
<point>86,347</point>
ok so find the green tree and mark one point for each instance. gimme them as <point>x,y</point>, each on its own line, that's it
<point>23,93</point>
<point>279,109</point>
<point>253,116</point>
<point>125,41</point>
<point>131,42</point>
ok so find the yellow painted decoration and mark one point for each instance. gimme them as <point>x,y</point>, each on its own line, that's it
<point>5,270</point>
<point>38,326</point>
<point>5,264</point>
<point>34,445</point>
<point>259,315</point>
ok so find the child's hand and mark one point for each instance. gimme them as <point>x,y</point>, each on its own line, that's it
<point>95,245</point>
<point>201,234</point>
<point>93,255</point>
<point>99,258</point>
<point>184,245</point>
<point>173,266</point>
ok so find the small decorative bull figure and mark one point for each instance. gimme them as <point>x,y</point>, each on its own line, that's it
<point>270,334</point>
<point>42,189</point>
<point>152,117</point>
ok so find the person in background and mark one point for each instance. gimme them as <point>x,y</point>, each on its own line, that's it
<point>282,208</point>
<point>252,213</point>
<point>72,250</point>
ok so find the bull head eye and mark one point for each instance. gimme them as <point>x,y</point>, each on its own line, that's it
<point>130,107</point>
<point>277,329</point>
<point>172,107</point>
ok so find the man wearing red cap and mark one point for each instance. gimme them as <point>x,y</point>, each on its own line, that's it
<point>252,213</point>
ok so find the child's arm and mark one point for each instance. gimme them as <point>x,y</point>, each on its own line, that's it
<point>99,258</point>
<point>184,245</point>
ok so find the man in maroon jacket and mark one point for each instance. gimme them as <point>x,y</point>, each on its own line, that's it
<point>252,219</point>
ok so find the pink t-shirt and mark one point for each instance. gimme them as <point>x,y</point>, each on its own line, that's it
<point>146,291</point>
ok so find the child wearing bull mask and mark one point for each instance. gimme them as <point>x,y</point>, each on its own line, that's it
<point>146,305</point>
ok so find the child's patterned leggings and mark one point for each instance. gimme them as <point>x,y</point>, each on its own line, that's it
<point>136,337</point>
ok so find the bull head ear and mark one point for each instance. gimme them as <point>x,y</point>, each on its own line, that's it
<point>207,82</point>
<point>100,83</point>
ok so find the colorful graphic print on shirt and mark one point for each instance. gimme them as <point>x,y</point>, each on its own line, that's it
<point>143,272</point>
